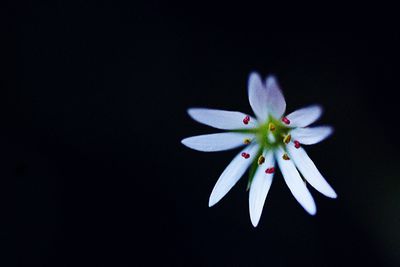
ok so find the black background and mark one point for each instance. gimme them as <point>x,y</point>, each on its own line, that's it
<point>94,108</point>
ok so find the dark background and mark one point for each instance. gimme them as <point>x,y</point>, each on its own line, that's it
<point>93,108</point>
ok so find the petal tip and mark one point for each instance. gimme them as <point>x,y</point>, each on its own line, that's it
<point>254,80</point>
<point>271,79</point>
<point>254,75</point>
<point>329,131</point>
<point>211,202</point>
<point>184,142</point>
<point>332,194</point>
<point>312,212</point>
<point>213,199</point>
<point>190,111</point>
<point>311,209</point>
<point>319,110</point>
<point>319,107</point>
<point>254,220</point>
<point>329,192</point>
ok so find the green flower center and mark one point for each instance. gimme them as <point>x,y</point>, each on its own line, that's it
<point>272,133</point>
<point>269,135</point>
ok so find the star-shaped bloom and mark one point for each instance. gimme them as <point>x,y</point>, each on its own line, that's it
<point>269,138</point>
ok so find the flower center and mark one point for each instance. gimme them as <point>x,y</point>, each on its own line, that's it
<point>273,133</point>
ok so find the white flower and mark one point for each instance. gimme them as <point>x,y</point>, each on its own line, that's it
<point>269,138</point>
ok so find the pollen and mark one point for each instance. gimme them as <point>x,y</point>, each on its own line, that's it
<point>246,120</point>
<point>285,156</point>
<point>285,120</point>
<point>246,141</point>
<point>296,144</point>
<point>245,155</point>
<point>270,170</point>
<point>287,138</point>
<point>271,127</point>
<point>261,160</point>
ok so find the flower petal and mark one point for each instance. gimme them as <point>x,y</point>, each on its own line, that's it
<point>257,96</point>
<point>276,103</point>
<point>304,116</point>
<point>309,136</point>
<point>309,171</point>
<point>232,174</point>
<point>295,183</point>
<point>259,188</point>
<point>221,119</point>
<point>216,142</point>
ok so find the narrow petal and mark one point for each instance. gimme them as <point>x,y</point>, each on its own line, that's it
<point>304,116</point>
<point>309,136</point>
<point>258,96</point>
<point>259,188</point>
<point>216,142</point>
<point>295,183</point>
<point>276,103</point>
<point>232,174</point>
<point>221,119</point>
<point>309,171</point>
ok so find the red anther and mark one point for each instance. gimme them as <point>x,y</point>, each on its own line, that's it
<point>286,120</point>
<point>246,120</point>
<point>296,144</point>
<point>270,170</point>
<point>245,155</point>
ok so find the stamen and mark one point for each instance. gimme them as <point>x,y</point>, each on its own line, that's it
<point>271,127</point>
<point>261,160</point>
<point>286,120</point>
<point>270,170</point>
<point>296,144</point>
<point>247,141</point>
<point>245,155</point>
<point>246,120</point>
<point>285,156</point>
<point>287,138</point>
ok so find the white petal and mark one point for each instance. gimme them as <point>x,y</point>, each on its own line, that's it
<point>309,136</point>
<point>304,116</point>
<point>221,119</point>
<point>216,142</point>
<point>295,183</point>
<point>232,174</point>
<point>276,103</point>
<point>309,171</point>
<point>259,188</point>
<point>258,96</point>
